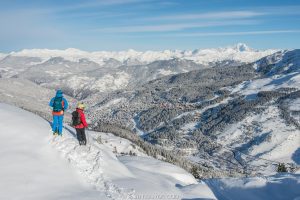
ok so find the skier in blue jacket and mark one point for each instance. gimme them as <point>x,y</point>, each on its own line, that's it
<point>59,105</point>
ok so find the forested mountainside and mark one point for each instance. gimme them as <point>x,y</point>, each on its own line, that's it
<point>223,117</point>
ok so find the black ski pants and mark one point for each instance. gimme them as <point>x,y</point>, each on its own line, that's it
<point>81,135</point>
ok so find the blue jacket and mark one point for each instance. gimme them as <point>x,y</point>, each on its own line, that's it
<point>59,93</point>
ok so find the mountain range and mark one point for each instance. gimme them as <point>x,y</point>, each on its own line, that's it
<point>232,109</point>
<point>81,73</point>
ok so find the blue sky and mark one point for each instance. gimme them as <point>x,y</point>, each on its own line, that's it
<point>148,24</point>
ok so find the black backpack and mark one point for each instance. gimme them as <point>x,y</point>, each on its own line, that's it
<point>76,118</point>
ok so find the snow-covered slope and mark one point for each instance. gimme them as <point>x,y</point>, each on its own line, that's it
<point>278,187</point>
<point>266,137</point>
<point>281,70</point>
<point>36,165</point>
<point>30,167</point>
<point>27,95</point>
<point>239,52</point>
<point>282,62</point>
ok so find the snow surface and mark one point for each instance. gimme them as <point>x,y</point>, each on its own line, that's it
<point>165,72</point>
<point>121,145</point>
<point>282,62</point>
<point>36,165</point>
<point>285,73</point>
<point>108,81</point>
<point>278,187</point>
<point>252,87</point>
<point>239,52</point>
<point>263,136</point>
<point>295,105</point>
<point>32,168</point>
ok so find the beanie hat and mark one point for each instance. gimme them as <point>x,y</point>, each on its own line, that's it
<point>80,105</point>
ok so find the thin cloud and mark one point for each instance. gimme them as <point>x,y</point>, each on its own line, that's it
<point>265,32</point>
<point>211,15</point>
<point>233,14</point>
<point>100,3</point>
<point>94,15</point>
<point>173,27</point>
<point>84,6</point>
<point>281,10</point>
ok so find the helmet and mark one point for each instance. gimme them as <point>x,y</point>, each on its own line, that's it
<point>80,105</point>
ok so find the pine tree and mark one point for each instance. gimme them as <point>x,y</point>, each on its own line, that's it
<point>281,168</point>
<point>194,172</point>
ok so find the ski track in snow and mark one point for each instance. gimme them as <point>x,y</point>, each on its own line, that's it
<point>87,160</point>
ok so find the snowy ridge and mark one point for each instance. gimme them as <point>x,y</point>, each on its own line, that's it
<point>89,161</point>
<point>239,52</point>
<point>283,73</point>
<point>30,168</point>
<point>127,177</point>
<point>115,176</point>
<point>85,172</point>
<point>283,62</point>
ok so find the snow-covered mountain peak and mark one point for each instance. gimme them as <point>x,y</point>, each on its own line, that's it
<point>73,49</point>
<point>132,51</point>
<point>46,54</point>
<point>242,47</point>
<point>239,52</point>
<point>236,48</point>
